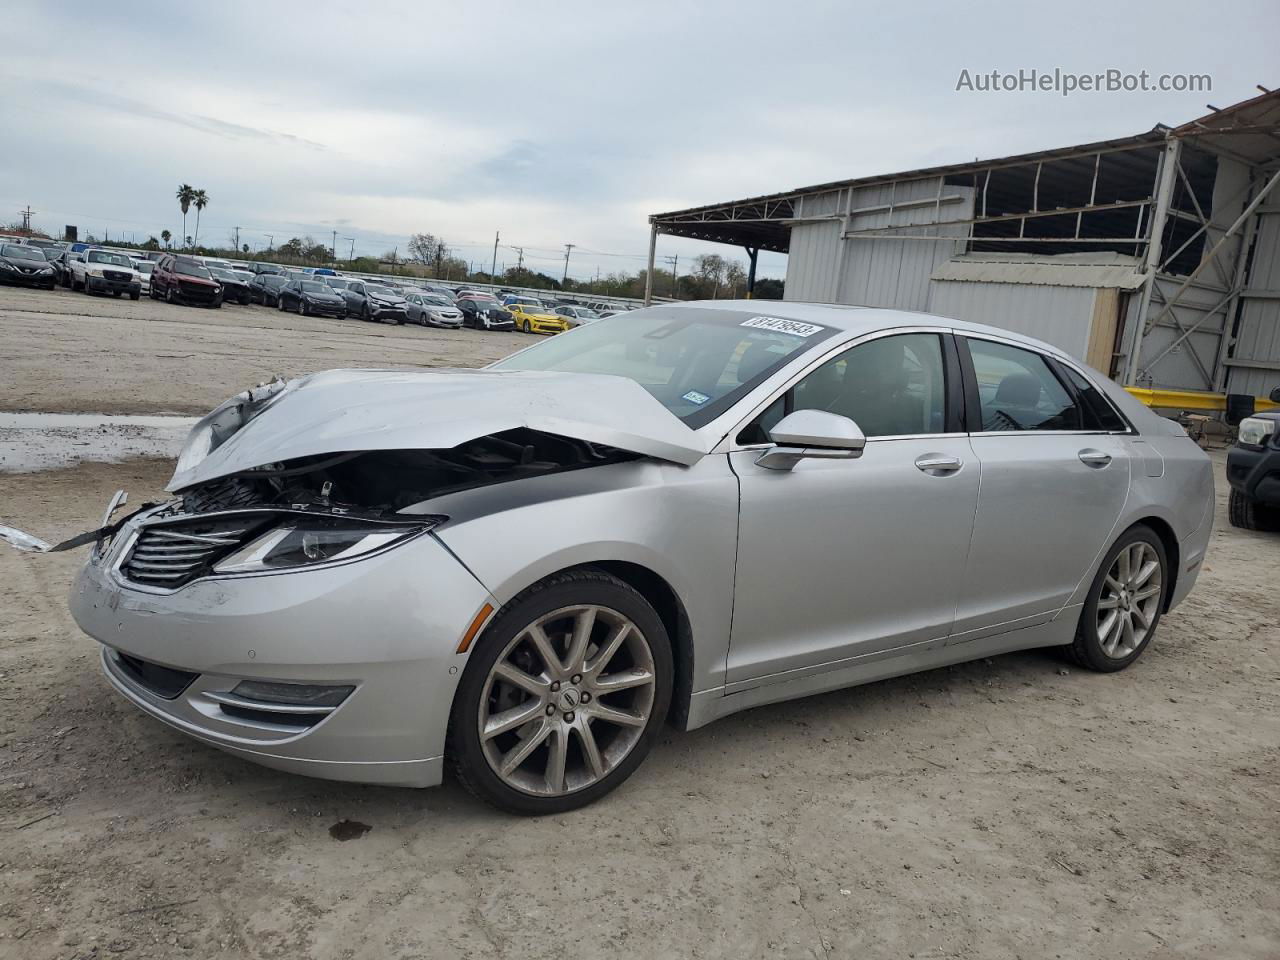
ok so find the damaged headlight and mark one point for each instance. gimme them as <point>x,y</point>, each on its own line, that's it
<point>1254,431</point>
<point>306,541</point>
<point>213,430</point>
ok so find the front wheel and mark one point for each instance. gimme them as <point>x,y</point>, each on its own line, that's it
<point>1248,514</point>
<point>563,695</point>
<point>1124,603</point>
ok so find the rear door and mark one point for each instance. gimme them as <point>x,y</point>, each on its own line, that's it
<point>1054,484</point>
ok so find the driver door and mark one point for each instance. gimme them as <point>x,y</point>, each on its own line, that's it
<point>846,559</point>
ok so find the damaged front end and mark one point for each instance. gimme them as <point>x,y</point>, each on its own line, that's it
<point>319,470</point>
<point>328,509</point>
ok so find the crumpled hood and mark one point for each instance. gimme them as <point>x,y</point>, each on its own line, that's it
<point>339,411</point>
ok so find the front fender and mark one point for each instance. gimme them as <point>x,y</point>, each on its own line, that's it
<point>681,523</point>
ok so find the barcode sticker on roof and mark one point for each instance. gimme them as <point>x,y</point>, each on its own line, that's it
<point>779,325</point>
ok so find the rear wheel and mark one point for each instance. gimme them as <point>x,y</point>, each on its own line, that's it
<point>563,695</point>
<point>1124,603</point>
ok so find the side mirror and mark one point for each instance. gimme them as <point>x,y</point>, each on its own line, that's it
<point>1275,395</point>
<point>812,434</point>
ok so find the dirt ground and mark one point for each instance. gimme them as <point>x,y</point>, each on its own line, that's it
<point>64,352</point>
<point>1005,808</point>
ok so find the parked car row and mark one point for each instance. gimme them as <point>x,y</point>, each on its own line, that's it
<point>210,281</point>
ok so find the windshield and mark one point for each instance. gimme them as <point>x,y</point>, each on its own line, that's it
<point>483,299</point>
<point>380,290</point>
<point>143,266</point>
<point>335,283</point>
<point>221,274</point>
<point>314,286</point>
<point>436,300</point>
<point>191,270</point>
<point>101,256</point>
<point>22,253</point>
<point>696,363</point>
<point>51,253</point>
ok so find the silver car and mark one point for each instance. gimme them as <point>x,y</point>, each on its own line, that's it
<point>524,571</point>
<point>431,310</point>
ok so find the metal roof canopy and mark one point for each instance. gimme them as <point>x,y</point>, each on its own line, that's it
<point>764,222</point>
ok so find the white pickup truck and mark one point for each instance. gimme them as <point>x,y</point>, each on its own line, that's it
<point>104,271</point>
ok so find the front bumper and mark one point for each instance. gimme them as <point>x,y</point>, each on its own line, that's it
<point>387,625</point>
<point>327,309</point>
<point>385,314</point>
<point>435,320</point>
<point>110,285</point>
<point>1255,473</point>
<point>544,326</point>
<point>22,278</point>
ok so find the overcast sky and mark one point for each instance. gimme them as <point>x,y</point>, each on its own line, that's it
<point>553,122</point>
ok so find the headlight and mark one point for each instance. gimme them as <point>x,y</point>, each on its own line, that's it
<point>311,540</point>
<point>5,265</point>
<point>94,271</point>
<point>1255,430</point>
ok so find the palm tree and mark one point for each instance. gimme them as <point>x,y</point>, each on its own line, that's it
<point>199,200</point>
<point>186,193</point>
<point>166,236</point>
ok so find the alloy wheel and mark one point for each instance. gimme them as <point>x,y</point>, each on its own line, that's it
<point>567,700</point>
<point>1130,600</point>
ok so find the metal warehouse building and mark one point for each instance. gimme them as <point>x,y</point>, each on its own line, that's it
<point>1155,258</point>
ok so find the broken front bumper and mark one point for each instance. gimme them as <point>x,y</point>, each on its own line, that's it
<point>386,626</point>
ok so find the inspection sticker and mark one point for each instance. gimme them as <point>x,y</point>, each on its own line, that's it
<point>778,325</point>
<point>693,396</point>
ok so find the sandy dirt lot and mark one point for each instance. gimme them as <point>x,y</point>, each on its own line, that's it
<point>64,352</point>
<point>1011,807</point>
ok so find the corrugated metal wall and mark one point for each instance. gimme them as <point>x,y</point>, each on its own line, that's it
<point>875,272</point>
<point>1177,368</point>
<point>1057,315</point>
<point>1258,337</point>
<point>811,264</point>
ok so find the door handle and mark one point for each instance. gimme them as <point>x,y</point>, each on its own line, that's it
<point>934,464</point>
<point>1094,458</point>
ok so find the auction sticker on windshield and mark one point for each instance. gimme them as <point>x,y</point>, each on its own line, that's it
<point>779,325</point>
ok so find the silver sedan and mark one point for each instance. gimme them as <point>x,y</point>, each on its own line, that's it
<point>671,515</point>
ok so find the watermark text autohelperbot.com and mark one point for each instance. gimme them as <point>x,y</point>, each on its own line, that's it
<point>1066,83</point>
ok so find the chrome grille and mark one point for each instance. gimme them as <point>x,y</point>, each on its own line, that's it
<point>117,275</point>
<point>173,554</point>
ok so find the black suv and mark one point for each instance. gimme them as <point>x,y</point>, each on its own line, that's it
<point>1253,471</point>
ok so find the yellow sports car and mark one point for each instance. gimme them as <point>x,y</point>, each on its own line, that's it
<point>537,319</point>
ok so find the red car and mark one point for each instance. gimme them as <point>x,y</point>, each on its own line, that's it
<point>178,279</point>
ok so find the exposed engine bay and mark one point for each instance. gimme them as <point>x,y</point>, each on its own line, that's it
<point>379,482</point>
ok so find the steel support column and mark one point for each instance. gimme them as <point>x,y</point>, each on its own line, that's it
<point>1165,178</point>
<point>752,254</point>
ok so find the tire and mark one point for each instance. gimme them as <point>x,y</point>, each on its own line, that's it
<point>135,296</point>
<point>1108,649</point>
<point>153,293</point>
<point>302,308</point>
<point>169,296</point>
<point>280,304</point>
<point>365,314</point>
<point>1248,514</point>
<point>528,327</point>
<point>531,787</point>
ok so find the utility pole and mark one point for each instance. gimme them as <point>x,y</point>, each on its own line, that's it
<point>353,247</point>
<point>334,246</point>
<point>237,239</point>
<point>26,218</point>
<point>519,258</point>
<point>568,248</point>
<point>270,242</point>
<point>675,267</point>
<point>493,271</point>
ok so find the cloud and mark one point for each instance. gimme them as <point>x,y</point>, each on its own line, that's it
<point>551,122</point>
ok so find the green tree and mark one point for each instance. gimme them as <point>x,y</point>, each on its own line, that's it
<point>166,236</point>
<point>199,200</point>
<point>186,193</point>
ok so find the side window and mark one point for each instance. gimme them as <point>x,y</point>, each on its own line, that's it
<point>1017,390</point>
<point>1098,412</point>
<point>356,288</point>
<point>891,386</point>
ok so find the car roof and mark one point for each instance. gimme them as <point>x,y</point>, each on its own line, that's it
<point>857,320</point>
